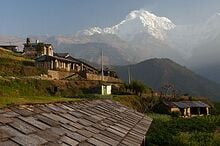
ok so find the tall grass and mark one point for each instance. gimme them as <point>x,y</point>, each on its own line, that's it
<point>16,91</point>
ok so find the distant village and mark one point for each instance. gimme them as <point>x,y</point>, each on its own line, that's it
<point>63,66</point>
<point>58,63</point>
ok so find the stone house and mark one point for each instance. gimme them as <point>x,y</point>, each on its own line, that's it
<point>37,48</point>
<point>58,63</point>
<point>188,108</point>
<point>46,58</point>
<point>77,64</point>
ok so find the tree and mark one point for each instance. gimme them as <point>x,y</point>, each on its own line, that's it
<point>138,87</point>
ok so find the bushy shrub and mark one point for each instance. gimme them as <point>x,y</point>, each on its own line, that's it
<point>88,96</point>
<point>136,87</point>
<point>176,114</point>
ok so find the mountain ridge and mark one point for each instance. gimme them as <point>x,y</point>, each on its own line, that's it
<point>159,71</point>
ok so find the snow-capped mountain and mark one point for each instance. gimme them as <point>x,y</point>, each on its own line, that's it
<point>136,22</point>
<point>147,36</point>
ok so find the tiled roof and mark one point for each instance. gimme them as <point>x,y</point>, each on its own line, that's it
<point>97,122</point>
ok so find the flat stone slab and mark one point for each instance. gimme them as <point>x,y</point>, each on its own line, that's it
<point>22,112</point>
<point>76,136</point>
<point>8,143</point>
<point>97,142</point>
<point>5,120</point>
<point>47,121</point>
<point>23,127</point>
<point>4,135</point>
<point>29,140</point>
<point>34,122</point>
<point>69,141</point>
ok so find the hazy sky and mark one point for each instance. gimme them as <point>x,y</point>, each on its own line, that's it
<point>52,17</point>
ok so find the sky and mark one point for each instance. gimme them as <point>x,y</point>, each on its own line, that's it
<point>66,17</point>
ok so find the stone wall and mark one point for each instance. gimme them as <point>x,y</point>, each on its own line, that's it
<point>58,74</point>
<point>94,77</point>
<point>88,76</point>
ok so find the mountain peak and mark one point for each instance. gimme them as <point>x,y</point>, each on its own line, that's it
<point>139,13</point>
<point>136,22</point>
<point>146,15</point>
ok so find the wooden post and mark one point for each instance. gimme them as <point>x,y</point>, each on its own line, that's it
<point>207,110</point>
<point>51,64</point>
<point>102,65</point>
<point>189,112</point>
<point>129,76</point>
<point>185,112</point>
<point>198,110</point>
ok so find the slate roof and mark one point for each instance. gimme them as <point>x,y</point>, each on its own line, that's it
<point>47,57</point>
<point>186,104</point>
<point>63,55</point>
<point>97,122</point>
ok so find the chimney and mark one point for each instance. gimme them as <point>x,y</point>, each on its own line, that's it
<point>28,41</point>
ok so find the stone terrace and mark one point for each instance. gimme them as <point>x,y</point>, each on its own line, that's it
<point>97,122</point>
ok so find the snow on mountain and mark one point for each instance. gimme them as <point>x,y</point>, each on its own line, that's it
<point>188,37</point>
<point>211,28</point>
<point>136,22</point>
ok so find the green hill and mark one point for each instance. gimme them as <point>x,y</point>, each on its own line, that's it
<point>158,72</point>
<point>16,89</point>
<point>13,64</point>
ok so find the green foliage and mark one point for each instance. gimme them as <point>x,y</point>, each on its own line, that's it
<point>12,64</point>
<point>148,103</point>
<point>197,131</point>
<point>17,91</point>
<point>160,117</point>
<point>88,96</point>
<point>195,139</point>
<point>132,101</point>
<point>202,124</point>
<point>216,108</point>
<point>160,108</point>
<point>140,103</point>
<point>17,87</point>
<point>176,114</point>
<point>160,133</point>
<point>137,87</point>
